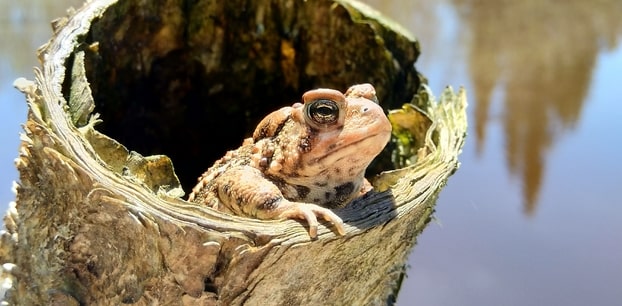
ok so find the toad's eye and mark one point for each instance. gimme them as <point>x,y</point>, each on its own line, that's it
<point>323,112</point>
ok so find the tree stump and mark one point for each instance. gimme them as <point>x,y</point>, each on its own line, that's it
<point>180,82</point>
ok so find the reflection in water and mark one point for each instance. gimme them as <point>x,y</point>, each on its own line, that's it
<point>545,84</point>
<point>534,56</point>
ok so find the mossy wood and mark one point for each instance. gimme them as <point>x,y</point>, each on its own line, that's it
<point>96,223</point>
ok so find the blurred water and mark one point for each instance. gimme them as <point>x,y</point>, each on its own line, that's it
<point>533,215</point>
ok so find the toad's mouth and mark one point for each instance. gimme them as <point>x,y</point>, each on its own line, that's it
<point>356,149</point>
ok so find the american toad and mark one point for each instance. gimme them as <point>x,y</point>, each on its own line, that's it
<point>302,160</point>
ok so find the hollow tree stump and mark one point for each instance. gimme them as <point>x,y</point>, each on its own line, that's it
<point>96,222</point>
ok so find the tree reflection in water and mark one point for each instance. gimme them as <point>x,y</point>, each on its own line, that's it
<point>541,57</point>
<point>537,56</point>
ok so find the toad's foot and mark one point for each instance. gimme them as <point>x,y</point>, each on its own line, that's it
<point>308,212</point>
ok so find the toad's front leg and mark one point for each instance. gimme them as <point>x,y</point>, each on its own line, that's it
<point>245,191</point>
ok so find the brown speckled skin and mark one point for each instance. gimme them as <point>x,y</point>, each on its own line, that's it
<point>298,165</point>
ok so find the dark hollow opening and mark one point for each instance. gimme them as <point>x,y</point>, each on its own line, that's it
<point>192,79</point>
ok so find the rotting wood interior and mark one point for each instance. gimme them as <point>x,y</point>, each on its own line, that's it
<point>182,81</point>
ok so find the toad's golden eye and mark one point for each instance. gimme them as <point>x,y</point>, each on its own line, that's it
<point>322,112</point>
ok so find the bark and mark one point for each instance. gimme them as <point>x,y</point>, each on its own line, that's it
<point>97,223</point>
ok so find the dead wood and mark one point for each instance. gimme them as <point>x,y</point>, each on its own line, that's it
<point>95,222</point>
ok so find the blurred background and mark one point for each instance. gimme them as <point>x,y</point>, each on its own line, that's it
<point>534,214</point>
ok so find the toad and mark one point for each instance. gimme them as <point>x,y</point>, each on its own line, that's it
<point>302,160</point>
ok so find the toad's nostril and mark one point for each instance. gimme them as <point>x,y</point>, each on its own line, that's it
<point>365,109</point>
